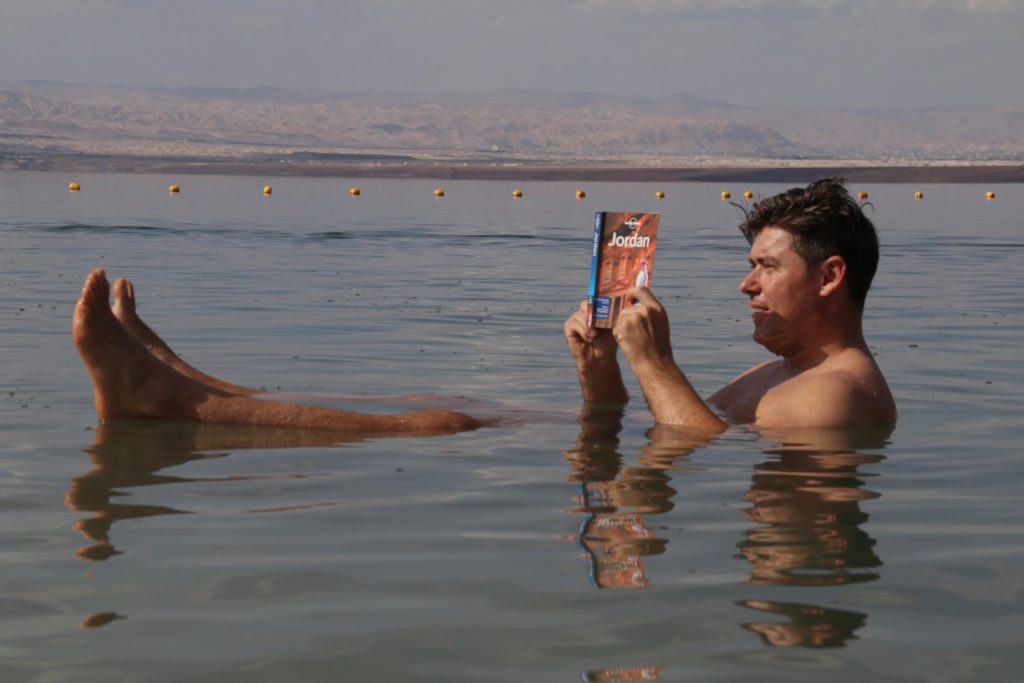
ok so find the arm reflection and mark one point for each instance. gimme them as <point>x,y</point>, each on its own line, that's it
<point>614,499</point>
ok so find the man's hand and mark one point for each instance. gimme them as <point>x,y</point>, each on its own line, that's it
<point>594,351</point>
<point>643,331</point>
<point>588,345</point>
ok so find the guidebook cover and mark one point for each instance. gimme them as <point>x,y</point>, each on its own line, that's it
<point>623,257</point>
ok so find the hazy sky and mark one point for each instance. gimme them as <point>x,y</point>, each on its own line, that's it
<point>775,53</point>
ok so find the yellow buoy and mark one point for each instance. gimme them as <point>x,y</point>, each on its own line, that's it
<point>990,195</point>
<point>748,195</point>
<point>74,187</point>
<point>726,195</point>
<point>659,194</point>
<point>439,192</point>
<point>517,194</point>
<point>862,195</point>
<point>919,195</point>
<point>267,189</point>
<point>355,192</point>
<point>174,189</point>
<point>580,194</point>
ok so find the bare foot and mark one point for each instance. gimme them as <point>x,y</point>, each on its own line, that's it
<point>125,310</point>
<point>124,373</point>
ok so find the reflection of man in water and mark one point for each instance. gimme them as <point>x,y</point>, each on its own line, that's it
<point>805,506</point>
<point>613,536</point>
<point>806,501</point>
<point>808,625</point>
<point>813,255</point>
<point>616,500</point>
<point>808,506</point>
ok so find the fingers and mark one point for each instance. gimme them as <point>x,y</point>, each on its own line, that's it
<point>576,328</point>
<point>642,329</point>
<point>643,295</point>
<point>623,325</point>
<point>644,303</point>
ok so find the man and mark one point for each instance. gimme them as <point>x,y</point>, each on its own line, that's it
<point>136,375</point>
<point>812,258</point>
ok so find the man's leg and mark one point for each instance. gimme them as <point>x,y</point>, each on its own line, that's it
<point>125,308</point>
<point>125,311</point>
<point>130,382</point>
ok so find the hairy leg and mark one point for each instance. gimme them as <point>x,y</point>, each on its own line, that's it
<point>125,310</point>
<point>129,382</point>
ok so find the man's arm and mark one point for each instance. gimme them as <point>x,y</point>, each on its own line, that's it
<point>596,362</point>
<point>643,334</point>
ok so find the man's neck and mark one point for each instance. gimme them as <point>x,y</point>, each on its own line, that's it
<point>830,338</point>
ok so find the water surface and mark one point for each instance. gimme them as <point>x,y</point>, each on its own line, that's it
<point>546,549</point>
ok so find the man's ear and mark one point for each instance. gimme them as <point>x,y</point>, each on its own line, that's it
<point>831,273</point>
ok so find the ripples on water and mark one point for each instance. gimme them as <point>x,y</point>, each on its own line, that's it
<point>547,549</point>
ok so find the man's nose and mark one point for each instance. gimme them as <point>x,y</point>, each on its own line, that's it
<point>748,285</point>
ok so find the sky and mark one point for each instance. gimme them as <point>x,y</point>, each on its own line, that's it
<point>818,54</point>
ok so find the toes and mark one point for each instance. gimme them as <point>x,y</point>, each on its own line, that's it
<point>96,288</point>
<point>122,296</point>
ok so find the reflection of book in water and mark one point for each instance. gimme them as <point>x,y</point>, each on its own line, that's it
<point>622,258</point>
<point>612,542</point>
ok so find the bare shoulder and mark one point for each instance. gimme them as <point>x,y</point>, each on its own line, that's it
<point>759,375</point>
<point>846,390</point>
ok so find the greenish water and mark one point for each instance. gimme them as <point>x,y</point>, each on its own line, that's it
<point>540,550</point>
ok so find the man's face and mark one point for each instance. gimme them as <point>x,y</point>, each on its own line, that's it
<point>783,293</point>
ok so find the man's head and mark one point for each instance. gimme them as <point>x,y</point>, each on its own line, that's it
<point>824,220</point>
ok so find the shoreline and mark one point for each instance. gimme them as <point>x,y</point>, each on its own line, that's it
<point>760,171</point>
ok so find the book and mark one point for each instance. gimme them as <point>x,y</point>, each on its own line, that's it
<point>622,258</point>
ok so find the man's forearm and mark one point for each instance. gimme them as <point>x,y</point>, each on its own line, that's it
<point>672,399</point>
<point>602,382</point>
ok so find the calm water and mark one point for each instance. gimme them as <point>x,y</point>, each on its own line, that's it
<point>537,551</point>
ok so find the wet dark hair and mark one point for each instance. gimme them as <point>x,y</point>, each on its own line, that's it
<point>824,221</point>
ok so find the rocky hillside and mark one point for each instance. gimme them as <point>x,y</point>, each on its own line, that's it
<point>554,126</point>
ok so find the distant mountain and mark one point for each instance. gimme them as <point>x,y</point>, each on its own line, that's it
<point>535,124</point>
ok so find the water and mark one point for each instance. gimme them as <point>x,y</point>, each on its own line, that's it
<point>539,550</point>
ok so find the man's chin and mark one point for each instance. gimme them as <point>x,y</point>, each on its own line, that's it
<point>774,343</point>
